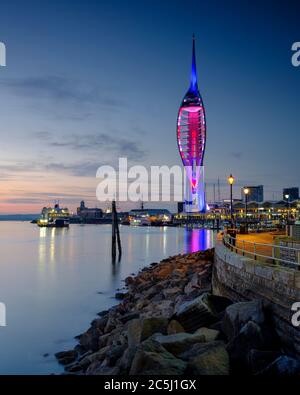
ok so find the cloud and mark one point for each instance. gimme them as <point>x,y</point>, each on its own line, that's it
<point>98,143</point>
<point>81,169</point>
<point>63,90</point>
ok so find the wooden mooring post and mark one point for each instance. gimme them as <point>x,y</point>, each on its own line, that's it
<point>115,240</point>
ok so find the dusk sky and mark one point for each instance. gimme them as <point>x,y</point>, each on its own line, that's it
<point>87,82</point>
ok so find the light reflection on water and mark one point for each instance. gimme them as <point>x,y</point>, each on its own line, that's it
<point>54,281</point>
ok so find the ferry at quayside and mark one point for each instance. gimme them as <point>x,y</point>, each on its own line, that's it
<point>55,217</point>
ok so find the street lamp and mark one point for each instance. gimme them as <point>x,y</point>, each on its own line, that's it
<point>246,192</point>
<point>231,181</point>
<point>287,196</point>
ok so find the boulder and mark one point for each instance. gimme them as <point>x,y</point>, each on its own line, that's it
<point>209,334</point>
<point>74,368</point>
<point>178,342</point>
<point>259,360</point>
<point>142,328</point>
<point>282,366</point>
<point>175,327</point>
<point>114,353</point>
<point>250,337</point>
<point>170,293</point>
<point>238,314</point>
<point>129,280</point>
<point>152,359</point>
<point>192,284</point>
<point>164,308</point>
<point>102,341</point>
<point>102,370</point>
<point>98,356</point>
<point>213,359</point>
<point>129,316</point>
<point>66,357</point>
<point>121,295</point>
<point>198,348</point>
<point>202,311</point>
<point>125,362</point>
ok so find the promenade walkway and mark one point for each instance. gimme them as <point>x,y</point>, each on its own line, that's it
<point>257,243</point>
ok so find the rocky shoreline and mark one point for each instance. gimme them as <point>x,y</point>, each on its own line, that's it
<point>169,323</point>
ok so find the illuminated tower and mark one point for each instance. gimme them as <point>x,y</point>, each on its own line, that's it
<point>191,137</point>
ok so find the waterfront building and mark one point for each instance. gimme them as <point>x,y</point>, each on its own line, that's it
<point>292,192</point>
<point>256,193</point>
<point>88,213</point>
<point>191,139</point>
<point>180,207</point>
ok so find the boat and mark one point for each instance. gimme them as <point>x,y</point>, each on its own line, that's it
<point>55,217</point>
<point>140,221</point>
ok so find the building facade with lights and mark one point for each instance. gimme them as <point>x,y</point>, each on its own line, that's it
<point>191,138</point>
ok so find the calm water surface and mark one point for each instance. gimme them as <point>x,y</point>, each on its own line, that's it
<point>54,281</point>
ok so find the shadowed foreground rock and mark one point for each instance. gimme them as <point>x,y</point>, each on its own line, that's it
<point>169,323</point>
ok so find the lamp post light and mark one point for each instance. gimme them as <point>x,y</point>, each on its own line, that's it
<point>231,182</point>
<point>287,196</point>
<point>246,192</point>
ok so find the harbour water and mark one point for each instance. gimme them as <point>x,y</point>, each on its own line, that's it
<point>54,282</point>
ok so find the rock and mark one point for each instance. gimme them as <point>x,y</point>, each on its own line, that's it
<point>259,360</point>
<point>178,342</point>
<point>170,293</point>
<point>89,339</point>
<point>192,284</point>
<point>197,349</point>
<point>209,334</point>
<point>103,313</point>
<point>202,311</point>
<point>152,291</point>
<point>175,327</point>
<point>129,316</point>
<point>250,337</point>
<point>102,341</point>
<point>74,368</point>
<point>282,366</point>
<point>103,370</point>
<point>100,323</point>
<point>121,295</point>
<point>141,329</point>
<point>152,359</point>
<point>114,353</point>
<point>125,362</point>
<point>212,360</point>
<point>239,314</point>
<point>66,357</point>
<point>98,356</point>
<point>164,308</point>
<point>129,280</point>
<point>134,332</point>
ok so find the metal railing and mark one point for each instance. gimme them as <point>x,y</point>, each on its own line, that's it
<point>267,253</point>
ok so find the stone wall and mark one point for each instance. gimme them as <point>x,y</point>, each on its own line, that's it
<point>241,278</point>
<point>293,253</point>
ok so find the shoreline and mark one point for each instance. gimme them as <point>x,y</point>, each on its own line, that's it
<point>168,322</point>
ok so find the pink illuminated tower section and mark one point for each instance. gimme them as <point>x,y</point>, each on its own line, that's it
<point>191,137</point>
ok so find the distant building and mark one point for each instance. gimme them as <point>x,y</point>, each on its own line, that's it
<point>292,192</point>
<point>180,207</point>
<point>256,193</point>
<point>89,213</point>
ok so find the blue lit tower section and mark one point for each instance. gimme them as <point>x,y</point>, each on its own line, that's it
<point>191,138</point>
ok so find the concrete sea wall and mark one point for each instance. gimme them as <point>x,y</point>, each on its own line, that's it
<point>242,279</point>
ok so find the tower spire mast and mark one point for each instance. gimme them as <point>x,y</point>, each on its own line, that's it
<point>194,84</point>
